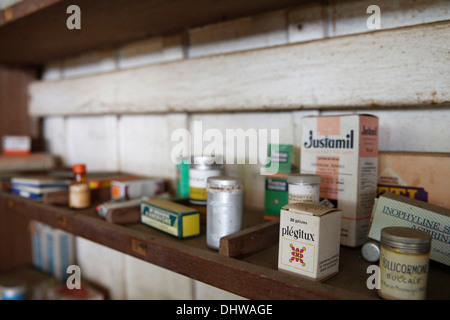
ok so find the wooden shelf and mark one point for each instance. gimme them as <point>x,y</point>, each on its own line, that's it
<point>254,277</point>
<point>34,31</point>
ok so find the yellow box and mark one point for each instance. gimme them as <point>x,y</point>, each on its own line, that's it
<point>171,217</point>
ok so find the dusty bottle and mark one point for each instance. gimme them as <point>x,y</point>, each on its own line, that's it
<point>79,192</point>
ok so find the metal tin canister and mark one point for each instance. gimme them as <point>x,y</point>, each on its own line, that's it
<point>304,188</point>
<point>201,168</point>
<point>403,263</point>
<point>224,208</point>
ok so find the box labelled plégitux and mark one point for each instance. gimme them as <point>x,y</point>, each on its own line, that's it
<point>309,240</point>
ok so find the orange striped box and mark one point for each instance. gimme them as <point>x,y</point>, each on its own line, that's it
<point>16,145</point>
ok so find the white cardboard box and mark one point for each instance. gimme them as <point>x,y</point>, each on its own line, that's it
<point>309,240</point>
<point>343,150</point>
<point>395,210</point>
<point>131,189</point>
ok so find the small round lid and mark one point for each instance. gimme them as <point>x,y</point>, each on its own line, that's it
<point>371,251</point>
<point>224,181</point>
<point>304,178</point>
<point>205,162</point>
<point>406,238</point>
<point>79,168</point>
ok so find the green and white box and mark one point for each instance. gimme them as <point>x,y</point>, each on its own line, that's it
<point>309,240</point>
<point>171,217</point>
<point>391,210</point>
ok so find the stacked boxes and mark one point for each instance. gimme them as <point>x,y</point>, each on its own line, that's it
<point>281,163</point>
<point>343,150</point>
<point>53,250</point>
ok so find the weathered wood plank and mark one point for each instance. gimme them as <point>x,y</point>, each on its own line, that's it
<point>250,240</point>
<point>406,66</point>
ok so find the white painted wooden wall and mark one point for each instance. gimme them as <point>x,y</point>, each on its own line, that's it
<point>139,143</point>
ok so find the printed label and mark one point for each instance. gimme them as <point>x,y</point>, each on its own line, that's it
<point>298,255</point>
<point>197,182</point>
<point>197,193</point>
<point>368,138</point>
<point>304,193</point>
<point>403,276</point>
<point>411,192</point>
<point>139,247</point>
<point>328,169</point>
<point>79,196</point>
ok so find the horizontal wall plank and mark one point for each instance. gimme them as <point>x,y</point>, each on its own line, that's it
<point>388,68</point>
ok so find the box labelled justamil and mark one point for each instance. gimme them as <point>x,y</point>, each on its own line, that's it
<point>309,240</point>
<point>343,150</point>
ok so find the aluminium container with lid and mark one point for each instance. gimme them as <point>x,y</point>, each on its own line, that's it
<point>224,208</point>
<point>304,187</point>
<point>403,263</point>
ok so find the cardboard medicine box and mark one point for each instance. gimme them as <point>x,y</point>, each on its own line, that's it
<point>309,240</point>
<point>173,218</point>
<point>343,150</point>
<point>16,145</point>
<point>135,188</point>
<point>275,196</point>
<point>424,176</point>
<point>400,211</point>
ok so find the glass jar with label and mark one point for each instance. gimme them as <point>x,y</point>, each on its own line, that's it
<point>403,263</point>
<point>201,168</point>
<point>304,188</point>
<point>79,192</point>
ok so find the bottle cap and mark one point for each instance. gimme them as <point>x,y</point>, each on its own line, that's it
<point>304,178</point>
<point>79,168</point>
<point>406,238</point>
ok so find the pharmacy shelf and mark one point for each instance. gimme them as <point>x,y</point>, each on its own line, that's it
<point>35,31</point>
<point>254,277</point>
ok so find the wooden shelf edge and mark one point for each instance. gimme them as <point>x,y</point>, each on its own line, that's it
<point>236,276</point>
<point>22,9</point>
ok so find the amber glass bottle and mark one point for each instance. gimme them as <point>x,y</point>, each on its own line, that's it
<point>79,192</point>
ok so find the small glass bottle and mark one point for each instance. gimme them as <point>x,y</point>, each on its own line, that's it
<point>304,188</point>
<point>404,261</point>
<point>79,192</point>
